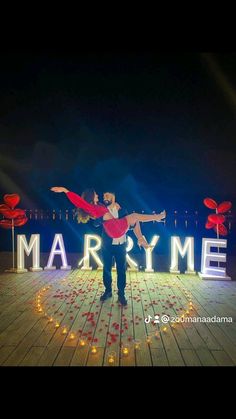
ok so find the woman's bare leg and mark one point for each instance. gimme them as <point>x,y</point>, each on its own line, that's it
<point>137,231</point>
<point>135,217</point>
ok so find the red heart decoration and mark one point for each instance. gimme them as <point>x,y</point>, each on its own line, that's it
<point>9,213</point>
<point>216,218</point>
<point>210,203</point>
<point>3,208</point>
<point>224,207</point>
<point>11,200</point>
<point>20,221</point>
<point>209,225</point>
<point>222,230</point>
<point>5,224</point>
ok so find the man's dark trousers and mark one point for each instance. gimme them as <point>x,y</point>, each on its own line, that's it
<point>118,251</point>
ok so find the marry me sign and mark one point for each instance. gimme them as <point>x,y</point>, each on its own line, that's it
<point>180,248</point>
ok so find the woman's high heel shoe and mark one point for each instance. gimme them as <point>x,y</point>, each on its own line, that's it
<point>143,243</point>
<point>161,216</point>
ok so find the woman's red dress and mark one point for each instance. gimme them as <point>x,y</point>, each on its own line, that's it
<point>114,227</point>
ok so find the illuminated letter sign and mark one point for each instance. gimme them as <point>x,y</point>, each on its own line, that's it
<point>148,253</point>
<point>207,270</point>
<point>23,247</point>
<point>58,240</point>
<point>176,248</point>
<point>91,250</point>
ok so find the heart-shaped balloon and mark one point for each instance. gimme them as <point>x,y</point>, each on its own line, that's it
<point>11,214</point>
<point>209,225</point>
<point>224,207</point>
<point>20,221</point>
<point>210,203</point>
<point>3,207</point>
<point>222,230</point>
<point>216,218</point>
<point>5,224</point>
<point>11,200</point>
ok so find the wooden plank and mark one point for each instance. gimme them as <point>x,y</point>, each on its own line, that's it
<point>27,338</point>
<point>222,358</point>
<point>32,357</point>
<point>5,351</point>
<point>190,358</point>
<point>206,357</point>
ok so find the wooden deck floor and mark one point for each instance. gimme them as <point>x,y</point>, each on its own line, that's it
<point>28,338</point>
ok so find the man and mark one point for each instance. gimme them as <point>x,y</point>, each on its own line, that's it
<point>113,248</point>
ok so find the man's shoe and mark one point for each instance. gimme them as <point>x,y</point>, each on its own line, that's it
<point>122,300</point>
<point>105,296</point>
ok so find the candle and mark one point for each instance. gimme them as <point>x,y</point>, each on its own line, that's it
<point>72,336</point>
<point>82,342</point>
<point>111,358</point>
<point>57,324</point>
<point>164,329</point>
<point>93,349</point>
<point>149,339</point>
<point>40,310</point>
<point>50,319</point>
<point>137,344</point>
<point>64,330</point>
<point>125,349</point>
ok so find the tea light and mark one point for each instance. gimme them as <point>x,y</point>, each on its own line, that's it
<point>149,339</point>
<point>82,342</point>
<point>50,320</point>
<point>125,349</point>
<point>164,329</point>
<point>57,324</point>
<point>111,357</point>
<point>137,344</point>
<point>64,330</point>
<point>72,336</point>
<point>93,349</point>
<point>40,310</point>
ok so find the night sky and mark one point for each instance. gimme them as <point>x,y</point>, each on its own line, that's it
<point>159,129</point>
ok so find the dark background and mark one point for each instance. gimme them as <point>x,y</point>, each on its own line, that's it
<point>157,128</point>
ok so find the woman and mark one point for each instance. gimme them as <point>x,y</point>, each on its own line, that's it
<point>114,227</point>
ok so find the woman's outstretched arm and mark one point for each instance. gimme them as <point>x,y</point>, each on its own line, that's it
<point>93,210</point>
